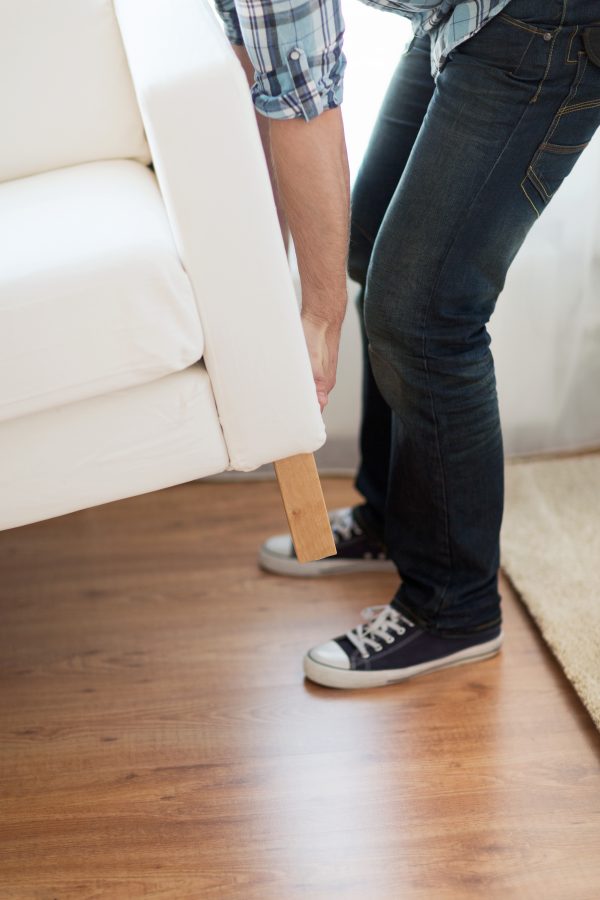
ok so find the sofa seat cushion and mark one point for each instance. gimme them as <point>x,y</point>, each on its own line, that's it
<point>93,296</point>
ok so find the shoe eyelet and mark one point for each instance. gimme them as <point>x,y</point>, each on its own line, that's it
<point>389,639</point>
<point>378,647</point>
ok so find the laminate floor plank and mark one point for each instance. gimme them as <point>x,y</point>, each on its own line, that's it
<point>158,739</point>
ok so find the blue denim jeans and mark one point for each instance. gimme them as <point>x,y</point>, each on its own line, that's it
<point>455,175</point>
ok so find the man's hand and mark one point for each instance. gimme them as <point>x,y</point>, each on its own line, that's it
<point>309,168</point>
<point>322,340</point>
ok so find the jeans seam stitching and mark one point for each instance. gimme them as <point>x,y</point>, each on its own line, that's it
<point>558,148</point>
<point>540,184</point>
<point>524,54</point>
<point>570,47</point>
<point>523,188</point>
<point>522,25</point>
<point>582,57</point>
<point>587,104</point>
<point>582,60</point>
<point>442,471</point>
<point>547,69</point>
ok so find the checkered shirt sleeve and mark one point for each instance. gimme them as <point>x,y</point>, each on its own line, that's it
<point>296,49</point>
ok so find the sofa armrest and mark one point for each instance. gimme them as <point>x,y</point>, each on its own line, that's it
<point>206,150</point>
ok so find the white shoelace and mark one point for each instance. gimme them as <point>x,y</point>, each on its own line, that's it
<point>380,621</point>
<point>343,523</point>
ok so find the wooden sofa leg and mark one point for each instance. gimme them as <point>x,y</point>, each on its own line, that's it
<point>305,507</point>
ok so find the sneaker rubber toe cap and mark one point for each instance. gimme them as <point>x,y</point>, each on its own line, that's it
<point>279,545</point>
<point>330,654</point>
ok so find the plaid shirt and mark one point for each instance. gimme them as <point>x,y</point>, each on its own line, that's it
<point>296,45</point>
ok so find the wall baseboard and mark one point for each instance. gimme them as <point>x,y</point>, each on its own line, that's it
<point>338,458</point>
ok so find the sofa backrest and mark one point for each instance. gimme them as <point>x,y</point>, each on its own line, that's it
<point>66,95</point>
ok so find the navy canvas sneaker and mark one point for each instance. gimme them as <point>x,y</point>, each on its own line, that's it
<point>390,648</point>
<point>356,551</point>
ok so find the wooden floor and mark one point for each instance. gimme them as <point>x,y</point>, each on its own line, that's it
<point>158,739</point>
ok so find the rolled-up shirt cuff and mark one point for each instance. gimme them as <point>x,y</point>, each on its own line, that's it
<point>294,93</point>
<point>231,23</point>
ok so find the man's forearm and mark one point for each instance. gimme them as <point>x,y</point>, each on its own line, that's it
<point>313,183</point>
<point>311,169</point>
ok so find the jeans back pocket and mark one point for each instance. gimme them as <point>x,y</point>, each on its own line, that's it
<point>572,127</point>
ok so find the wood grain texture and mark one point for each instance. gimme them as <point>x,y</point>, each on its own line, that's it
<point>304,507</point>
<point>158,740</point>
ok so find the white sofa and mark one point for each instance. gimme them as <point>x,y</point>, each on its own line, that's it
<point>149,333</point>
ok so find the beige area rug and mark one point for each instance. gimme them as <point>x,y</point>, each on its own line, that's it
<point>551,552</point>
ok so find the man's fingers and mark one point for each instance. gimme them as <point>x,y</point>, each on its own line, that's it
<point>322,340</point>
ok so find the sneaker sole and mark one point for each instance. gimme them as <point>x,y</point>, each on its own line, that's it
<point>329,676</point>
<point>289,565</point>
